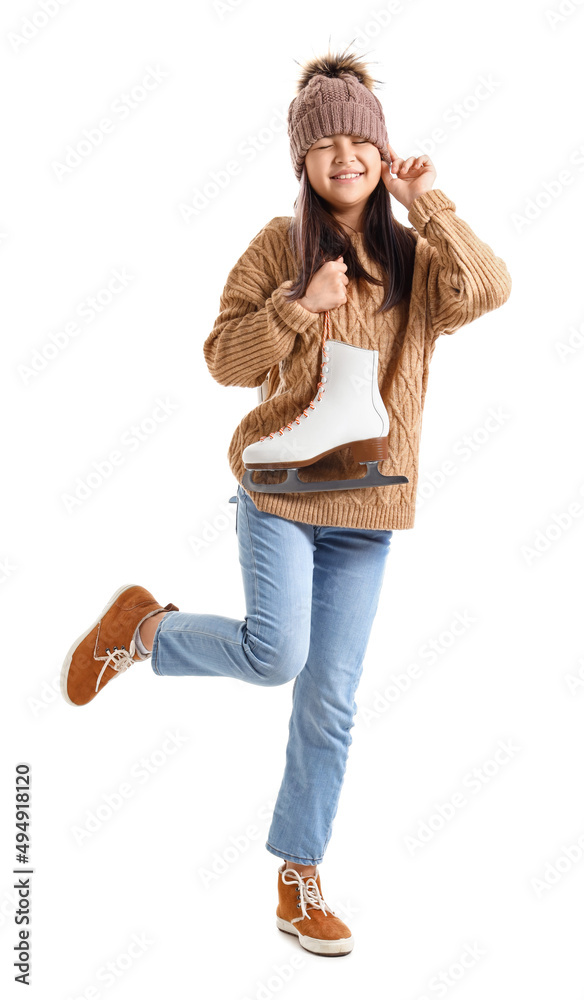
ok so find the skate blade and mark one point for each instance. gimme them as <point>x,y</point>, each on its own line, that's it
<point>292,484</point>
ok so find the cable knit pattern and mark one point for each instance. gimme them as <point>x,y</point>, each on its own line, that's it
<point>257,333</point>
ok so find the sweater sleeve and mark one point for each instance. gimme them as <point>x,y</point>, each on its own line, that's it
<point>256,326</point>
<point>464,277</point>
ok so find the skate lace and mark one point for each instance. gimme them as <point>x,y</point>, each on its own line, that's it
<point>119,659</point>
<point>320,385</point>
<point>310,896</point>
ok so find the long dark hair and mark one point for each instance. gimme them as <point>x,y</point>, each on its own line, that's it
<point>316,236</point>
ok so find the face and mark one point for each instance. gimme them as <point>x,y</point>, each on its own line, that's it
<point>344,154</point>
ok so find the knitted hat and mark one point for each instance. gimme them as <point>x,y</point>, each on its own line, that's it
<point>334,96</point>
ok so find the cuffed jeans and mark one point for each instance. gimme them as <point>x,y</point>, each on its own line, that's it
<point>311,595</point>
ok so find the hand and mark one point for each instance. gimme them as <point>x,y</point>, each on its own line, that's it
<point>414,176</point>
<point>326,288</point>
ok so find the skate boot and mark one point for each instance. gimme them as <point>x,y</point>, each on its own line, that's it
<point>107,647</point>
<point>347,411</point>
<point>302,911</point>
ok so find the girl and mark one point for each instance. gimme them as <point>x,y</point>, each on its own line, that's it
<point>313,562</point>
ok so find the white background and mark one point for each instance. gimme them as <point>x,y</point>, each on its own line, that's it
<point>229,75</point>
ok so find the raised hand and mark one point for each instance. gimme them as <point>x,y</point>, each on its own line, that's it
<point>413,176</point>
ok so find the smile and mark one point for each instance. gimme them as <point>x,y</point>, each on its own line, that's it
<point>347,178</point>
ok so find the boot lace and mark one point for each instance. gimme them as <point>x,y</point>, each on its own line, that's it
<point>119,659</point>
<point>320,385</point>
<point>309,893</point>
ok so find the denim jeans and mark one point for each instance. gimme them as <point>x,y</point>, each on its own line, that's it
<point>311,596</point>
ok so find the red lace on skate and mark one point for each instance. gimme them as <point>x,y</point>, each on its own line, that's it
<point>320,385</point>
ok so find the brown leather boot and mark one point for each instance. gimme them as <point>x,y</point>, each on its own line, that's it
<point>107,647</point>
<point>302,910</point>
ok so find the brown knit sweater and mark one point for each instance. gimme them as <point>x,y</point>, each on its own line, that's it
<point>258,333</point>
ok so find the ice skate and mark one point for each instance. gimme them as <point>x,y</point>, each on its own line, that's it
<point>347,411</point>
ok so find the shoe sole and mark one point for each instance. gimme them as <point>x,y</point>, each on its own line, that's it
<point>318,947</point>
<point>69,657</point>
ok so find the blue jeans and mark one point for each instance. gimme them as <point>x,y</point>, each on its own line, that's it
<point>311,595</point>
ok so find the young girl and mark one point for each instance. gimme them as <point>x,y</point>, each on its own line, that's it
<point>313,562</point>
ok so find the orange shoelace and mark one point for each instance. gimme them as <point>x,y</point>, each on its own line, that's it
<point>320,385</point>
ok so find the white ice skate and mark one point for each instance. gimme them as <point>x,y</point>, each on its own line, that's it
<point>347,411</point>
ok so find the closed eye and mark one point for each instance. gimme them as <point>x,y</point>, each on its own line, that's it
<point>356,142</point>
